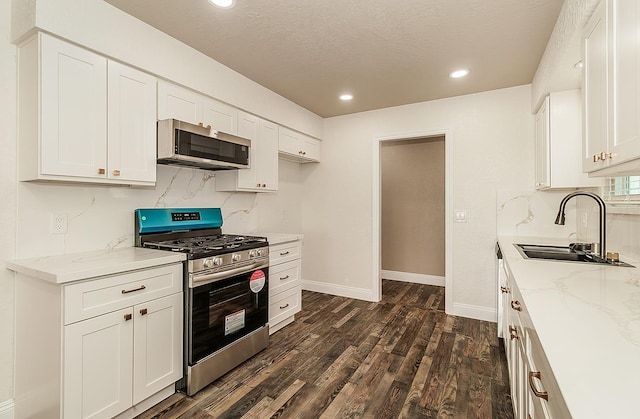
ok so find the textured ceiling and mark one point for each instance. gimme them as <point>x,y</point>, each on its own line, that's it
<point>384,52</point>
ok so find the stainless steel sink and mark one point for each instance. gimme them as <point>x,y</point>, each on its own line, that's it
<point>563,253</point>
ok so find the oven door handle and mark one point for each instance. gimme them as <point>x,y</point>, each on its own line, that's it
<point>197,280</point>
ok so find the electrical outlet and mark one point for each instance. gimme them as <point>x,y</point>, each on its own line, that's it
<point>58,223</point>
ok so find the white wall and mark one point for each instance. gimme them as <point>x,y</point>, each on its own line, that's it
<point>8,196</point>
<point>491,138</point>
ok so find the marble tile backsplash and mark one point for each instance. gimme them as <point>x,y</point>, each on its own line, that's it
<point>532,213</point>
<point>101,217</point>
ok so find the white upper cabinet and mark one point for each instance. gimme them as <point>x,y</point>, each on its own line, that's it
<point>131,124</point>
<point>83,118</point>
<point>612,89</point>
<point>262,176</point>
<point>298,147</point>
<point>186,105</point>
<point>558,137</point>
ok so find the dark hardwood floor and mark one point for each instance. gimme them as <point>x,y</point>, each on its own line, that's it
<point>400,358</point>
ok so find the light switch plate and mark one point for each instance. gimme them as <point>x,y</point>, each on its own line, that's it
<point>461,216</point>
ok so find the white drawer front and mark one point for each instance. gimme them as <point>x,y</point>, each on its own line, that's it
<point>95,297</point>
<point>283,277</point>
<point>284,305</point>
<point>284,252</point>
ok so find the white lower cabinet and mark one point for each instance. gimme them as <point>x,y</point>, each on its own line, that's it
<point>534,390</point>
<point>115,344</point>
<point>285,289</point>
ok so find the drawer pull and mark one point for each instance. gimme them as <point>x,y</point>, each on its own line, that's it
<point>284,306</point>
<point>140,288</point>
<point>116,173</point>
<point>127,317</point>
<point>284,253</point>
<point>504,290</point>
<point>513,332</point>
<point>282,278</point>
<point>516,305</point>
<point>143,311</point>
<point>101,171</point>
<point>538,393</point>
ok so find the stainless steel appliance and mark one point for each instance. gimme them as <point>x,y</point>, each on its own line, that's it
<point>184,144</point>
<point>226,282</point>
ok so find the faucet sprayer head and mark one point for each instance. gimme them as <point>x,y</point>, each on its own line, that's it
<point>560,218</point>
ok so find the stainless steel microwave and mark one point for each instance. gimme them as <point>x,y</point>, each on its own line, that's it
<point>184,144</point>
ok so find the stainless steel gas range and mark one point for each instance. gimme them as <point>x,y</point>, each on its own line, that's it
<point>226,280</point>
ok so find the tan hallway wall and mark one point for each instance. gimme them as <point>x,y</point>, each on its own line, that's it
<point>413,206</point>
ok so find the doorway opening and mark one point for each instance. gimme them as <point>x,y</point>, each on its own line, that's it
<point>411,222</point>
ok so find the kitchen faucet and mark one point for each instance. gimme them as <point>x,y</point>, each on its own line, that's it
<point>603,214</point>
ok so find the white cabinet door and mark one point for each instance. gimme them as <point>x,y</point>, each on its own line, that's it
<point>248,126</point>
<point>298,147</point>
<point>542,146</point>
<point>220,116</point>
<point>595,92</point>
<point>98,366</point>
<point>267,158</point>
<point>73,110</point>
<point>157,345</point>
<point>132,124</point>
<point>311,149</point>
<point>179,103</point>
<point>624,87</point>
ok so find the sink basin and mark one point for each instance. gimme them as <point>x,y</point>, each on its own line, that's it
<point>562,253</point>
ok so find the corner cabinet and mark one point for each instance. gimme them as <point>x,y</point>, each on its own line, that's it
<point>82,117</point>
<point>558,137</point>
<point>262,176</point>
<point>176,102</point>
<point>297,147</point>
<point>611,89</point>
<point>285,283</point>
<point>114,343</point>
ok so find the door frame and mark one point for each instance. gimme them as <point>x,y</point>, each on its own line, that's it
<point>376,285</point>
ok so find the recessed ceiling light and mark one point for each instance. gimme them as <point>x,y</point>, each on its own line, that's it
<point>223,4</point>
<point>459,73</point>
<point>346,97</point>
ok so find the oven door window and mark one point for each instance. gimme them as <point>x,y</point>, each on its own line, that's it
<point>223,312</point>
<point>195,145</point>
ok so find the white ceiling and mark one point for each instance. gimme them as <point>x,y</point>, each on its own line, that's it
<point>384,52</point>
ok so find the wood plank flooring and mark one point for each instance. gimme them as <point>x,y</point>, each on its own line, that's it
<point>342,358</point>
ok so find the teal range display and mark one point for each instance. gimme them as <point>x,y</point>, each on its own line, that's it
<point>154,220</point>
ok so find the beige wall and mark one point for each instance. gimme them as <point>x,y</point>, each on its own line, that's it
<point>413,206</point>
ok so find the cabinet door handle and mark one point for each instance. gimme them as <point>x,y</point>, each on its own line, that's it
<point>282,278</point>
<point>284,306</point>
<point>284,253</point>
<point>504,290</point>
<point>116,173</point>
<point>101,171</point>
<point>596,158</point>
<point>604,156</point>
<point>127,317</point>
<point>513,333</point>
<point>143,311</point>
<point>516,305</point>
<point>140,288</point>
<point>536,392</point>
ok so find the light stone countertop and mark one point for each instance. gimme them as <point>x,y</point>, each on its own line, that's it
<point>587,317</point>
<point>277,238</point>
<point>61,269</point>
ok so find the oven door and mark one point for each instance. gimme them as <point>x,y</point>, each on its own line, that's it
<point>226,309</point>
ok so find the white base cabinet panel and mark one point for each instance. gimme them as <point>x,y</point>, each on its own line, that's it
<point>112,343</point>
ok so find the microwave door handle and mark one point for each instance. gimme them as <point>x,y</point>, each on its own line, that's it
<point>203,279</point>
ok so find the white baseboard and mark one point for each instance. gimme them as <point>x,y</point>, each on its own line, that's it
<point>339,290</point>
<point>6,409</point>
<point>413,278</point>
<point>474,312</point>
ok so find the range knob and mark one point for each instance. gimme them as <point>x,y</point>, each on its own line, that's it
<point>235,257</point>
<point>259,252</point>
<point>208,263</point>
<point>217,261</point>
<point>253,253</point>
